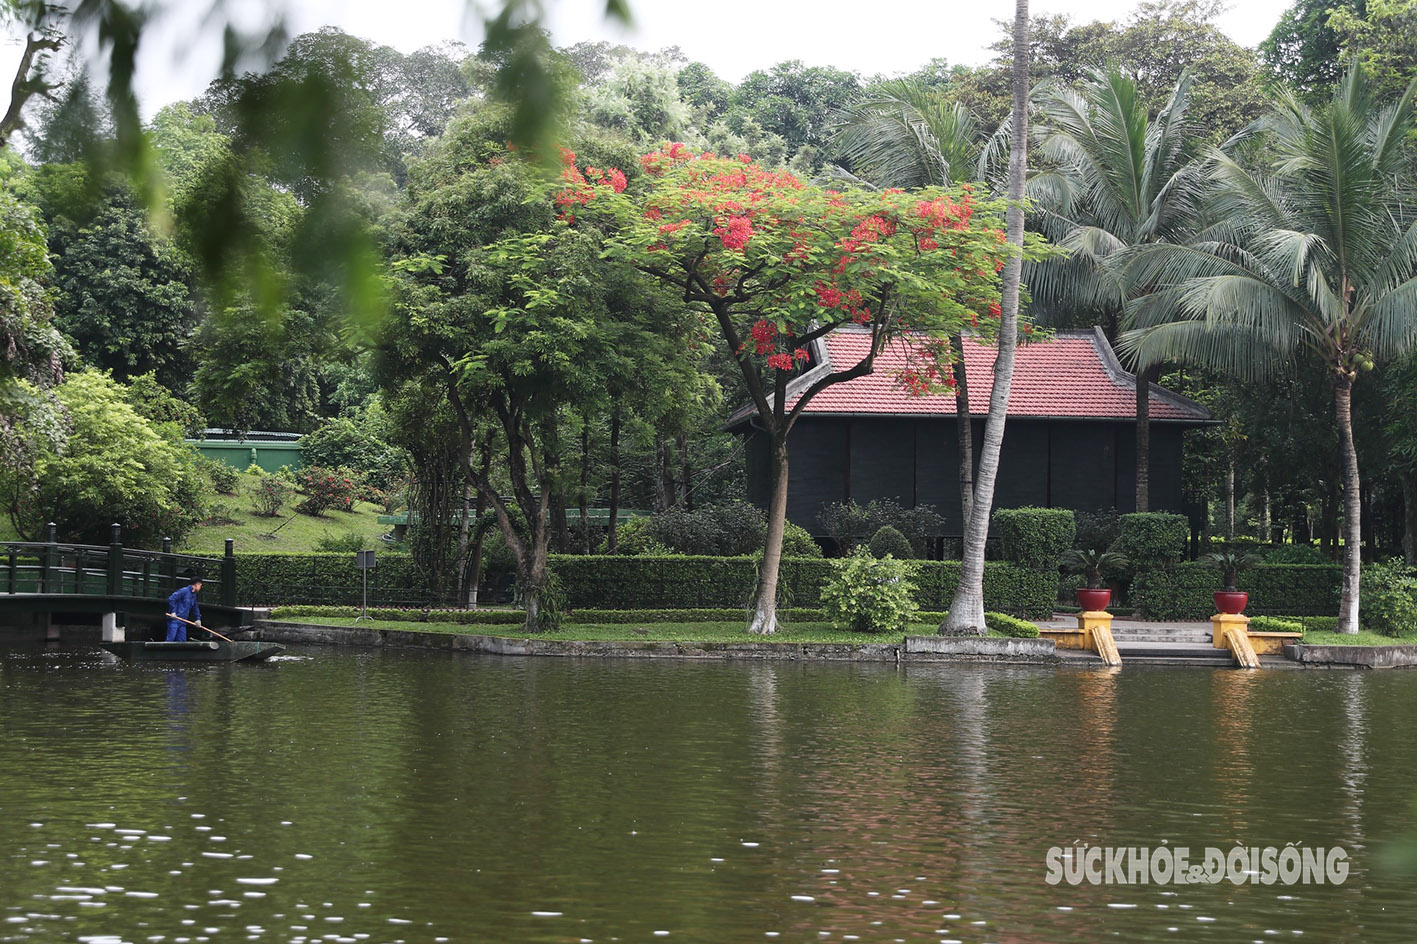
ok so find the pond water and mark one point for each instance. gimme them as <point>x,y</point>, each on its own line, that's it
<point>400,796</point>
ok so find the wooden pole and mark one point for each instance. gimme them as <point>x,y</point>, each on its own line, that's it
<point>199,626</point>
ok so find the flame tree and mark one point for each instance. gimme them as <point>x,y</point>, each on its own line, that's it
<point>773,264</point>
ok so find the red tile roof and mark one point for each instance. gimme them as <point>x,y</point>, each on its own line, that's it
<point>1071,375</point>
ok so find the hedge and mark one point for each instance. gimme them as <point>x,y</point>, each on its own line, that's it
<point>1006,625</point>
<point>506,617</point>
<point>672,583</point>
<point>275,579</point>
<point>1275,624</point>
<point>1184,592</point>
<point>624,583</point>
<point>1035,537</point>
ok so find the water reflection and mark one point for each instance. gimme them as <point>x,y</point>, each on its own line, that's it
<point>413,797</point>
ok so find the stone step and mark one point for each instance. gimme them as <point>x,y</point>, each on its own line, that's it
<point>1161,652</point>
<point>1187,638</point>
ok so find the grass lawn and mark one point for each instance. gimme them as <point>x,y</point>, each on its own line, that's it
<point>1362,638</point>
<point>293,533</point>
<point>648,632</point>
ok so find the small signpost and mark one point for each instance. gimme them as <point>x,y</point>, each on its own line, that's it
<point>364,560</point>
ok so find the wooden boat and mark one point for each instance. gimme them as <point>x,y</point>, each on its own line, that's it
<point>194,651</point>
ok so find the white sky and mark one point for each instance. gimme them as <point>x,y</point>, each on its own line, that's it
<point>734,37</point>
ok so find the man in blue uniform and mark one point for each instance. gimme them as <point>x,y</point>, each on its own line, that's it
<point>183,603</point>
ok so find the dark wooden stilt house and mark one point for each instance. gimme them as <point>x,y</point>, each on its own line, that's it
<point>1070,441</point>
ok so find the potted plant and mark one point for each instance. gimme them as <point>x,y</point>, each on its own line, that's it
<point>1229,599</point>
<point>1092,565</point>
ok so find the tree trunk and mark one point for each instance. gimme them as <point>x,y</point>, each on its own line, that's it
<point>764,621</point>
<point>533,580</point>
<point>464,533</point>
<point>1266,514</point>
<point>1145,378</point>
<point>1408,477</point>
<point>1328,520</point>
<point>474,580</point>
<point>584,495</point>
<point>663,474</point>
<point>964,432</point>
<point>1230,497</point>
<point>612,535</point>
<point>480,538</point>
<point>1352,507</point>
<point>685,497</point>
<point>966,616</point>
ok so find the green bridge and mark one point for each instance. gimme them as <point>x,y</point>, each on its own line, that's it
<point>83,584</point>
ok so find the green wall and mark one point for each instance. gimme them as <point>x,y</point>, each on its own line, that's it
<point>270,456</point>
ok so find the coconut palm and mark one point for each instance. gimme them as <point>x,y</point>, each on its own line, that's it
<point>1314,252</point>
<point>966,615</point>
<point>1116,180</point>
<point>903,133</point>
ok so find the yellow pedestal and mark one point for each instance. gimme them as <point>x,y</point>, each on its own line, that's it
<point>1231,631</point>
<point>1096,627</point>
<point>1220,622</point>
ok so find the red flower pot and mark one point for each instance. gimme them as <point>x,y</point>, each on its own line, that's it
<point>1231,601</point>
<point>1091,600</point>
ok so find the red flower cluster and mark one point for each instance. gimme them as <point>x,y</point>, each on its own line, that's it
<point>944,213</point>
<point>735,231</point>
<point>763,334</point>
<point>785,361</point>
<point>580,190</point>
<point>927,367</point>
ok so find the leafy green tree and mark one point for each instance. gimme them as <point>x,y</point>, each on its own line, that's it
<point>30,347</point>
<point>1316,250</point>
<point>255,371</point>
<point>175,417</point>
<point>1382,36</point>
<point>114,467</point>
<point>794,101</point>
<point>1155,45</point>
<point>704,91</point>
<point>1303,50</point>
<point>520,324</point>
<point>123,292</point>
<point>639,99</point>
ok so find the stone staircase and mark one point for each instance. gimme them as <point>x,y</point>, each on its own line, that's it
<point>1141,643</point>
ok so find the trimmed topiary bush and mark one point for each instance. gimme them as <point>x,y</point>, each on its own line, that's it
<point>1035,538</point>
<point>1153,540</point>
<point>850,524</point>
<point>797,542</point>
<point>889,542</point>
<point>866,595</point>
<point>1096,528</point>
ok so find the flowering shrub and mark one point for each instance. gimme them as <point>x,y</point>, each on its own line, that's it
<point>270,493</point>
<point>866,595</point>
<point>326,488</point>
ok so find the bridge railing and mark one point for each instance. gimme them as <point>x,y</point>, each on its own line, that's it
<point>52,567</point>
